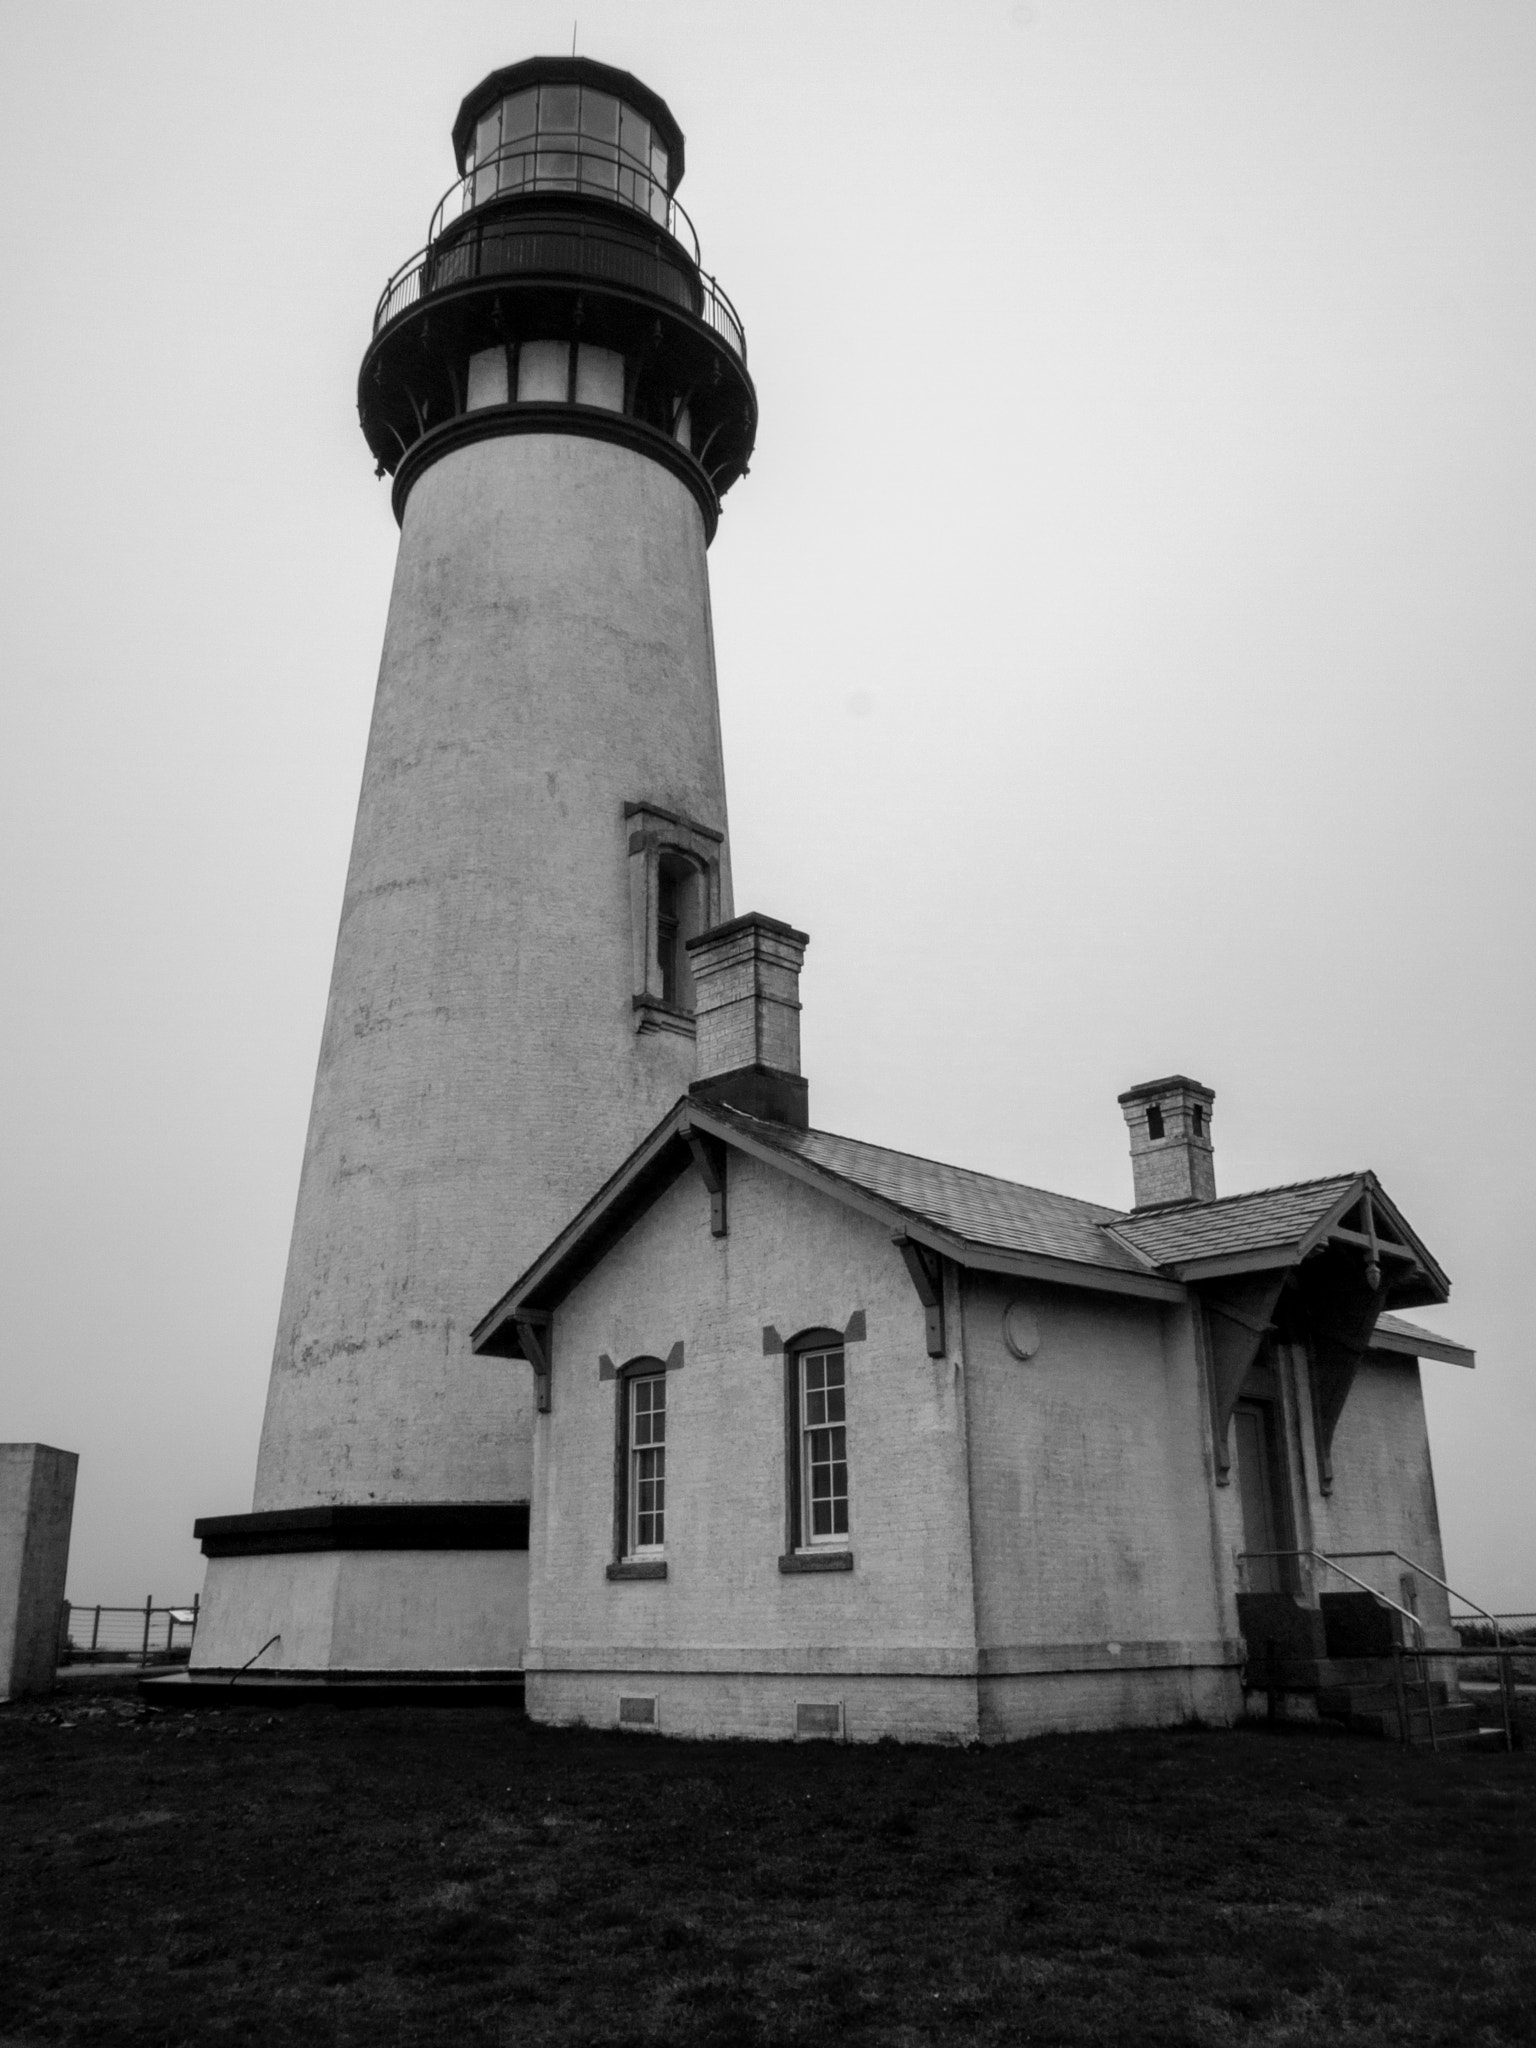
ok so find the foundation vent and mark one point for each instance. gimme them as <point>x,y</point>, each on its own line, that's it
<point>818,1720</point>
<point>637,1710</point>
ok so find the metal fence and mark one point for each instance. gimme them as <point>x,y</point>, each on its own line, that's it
<point>126,1635</point>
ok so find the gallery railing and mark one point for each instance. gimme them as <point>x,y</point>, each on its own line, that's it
<point>498,246</point>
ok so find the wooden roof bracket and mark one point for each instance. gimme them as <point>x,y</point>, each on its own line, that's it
<point>1339,1337</point>
<point>1232,1319</point>
<point>533,1331</point>
<point>927,1270</point>
<point>709,1157</point>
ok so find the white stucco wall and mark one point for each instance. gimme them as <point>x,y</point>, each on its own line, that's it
<point>1098,1582</point>
<point>548,656</point>
<point>727,1641</point>
<point>1383,1486</point>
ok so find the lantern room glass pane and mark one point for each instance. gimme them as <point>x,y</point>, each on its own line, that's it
<point>487,135</point>
<point>558,106</point>
<point>557,169</point>
<point>519,115</point>
<point>659,163</point>
<point>634,135</point>
<point>599,115</point>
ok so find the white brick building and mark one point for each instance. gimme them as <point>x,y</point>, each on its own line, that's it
<point>832,1437</point>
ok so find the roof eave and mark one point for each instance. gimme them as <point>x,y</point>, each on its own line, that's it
<point>645,1174</point>
<point>1442,1348</point>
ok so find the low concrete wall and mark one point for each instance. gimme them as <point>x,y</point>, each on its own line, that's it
<point>37,1505</point>
<point>365,1610</point>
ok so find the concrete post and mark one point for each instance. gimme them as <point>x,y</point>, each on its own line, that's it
<point>37,1504</point>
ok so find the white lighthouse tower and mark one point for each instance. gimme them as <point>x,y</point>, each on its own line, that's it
<point>561,396</point>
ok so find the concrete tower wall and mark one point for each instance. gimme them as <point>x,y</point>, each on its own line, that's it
<point>548,659</point>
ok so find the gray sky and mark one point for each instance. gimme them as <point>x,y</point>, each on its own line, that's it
<point>1126,632</point>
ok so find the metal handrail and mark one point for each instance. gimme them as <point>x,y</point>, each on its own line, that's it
<point>406,288</point>
<point>1423,1652</point>
<point>1414,1566</point>
<point>460,198</point>
<point>1321,1557</point>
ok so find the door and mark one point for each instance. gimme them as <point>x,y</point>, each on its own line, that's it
<point>1261,1489</point>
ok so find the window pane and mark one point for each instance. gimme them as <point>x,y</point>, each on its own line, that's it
<point>825,1438</point>
<point>658,163</point>
<point>634,135</point>
<point>557,109</point>
<point>519,115</point>
<point>487,135</point>
<point>599,173</point>
<point>599,115</point>
<point>557,168</point>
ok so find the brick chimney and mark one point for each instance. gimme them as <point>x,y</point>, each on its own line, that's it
<point>746,987</point>
<point>1171,1155</point>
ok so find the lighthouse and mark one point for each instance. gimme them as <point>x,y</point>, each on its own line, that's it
<point>558,391</point>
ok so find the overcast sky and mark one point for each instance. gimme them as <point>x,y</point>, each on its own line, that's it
<point>1126,631</point>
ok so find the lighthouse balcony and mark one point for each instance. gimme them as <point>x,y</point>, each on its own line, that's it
<point>574,242</point>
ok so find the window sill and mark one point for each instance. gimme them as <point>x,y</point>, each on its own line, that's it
<point>817,1561</point>
<point>652,1014</point>
<point>639,1568</point>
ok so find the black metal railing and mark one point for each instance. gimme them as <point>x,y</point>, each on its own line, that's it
<point>499,247</point>
<point>567,163</point>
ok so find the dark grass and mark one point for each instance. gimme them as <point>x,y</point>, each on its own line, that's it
<point>380,1876</point>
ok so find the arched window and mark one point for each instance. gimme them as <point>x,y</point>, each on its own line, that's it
<point>674,894</point>
<point>640,1506</point>
<point>679,894</point>
<point>816,1391</point>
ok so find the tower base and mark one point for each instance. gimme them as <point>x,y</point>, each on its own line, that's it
<point>368,1615</point>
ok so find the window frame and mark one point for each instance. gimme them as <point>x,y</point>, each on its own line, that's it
<point>655,836</point>
<point>800,1540</point>
<point>626,1549</point>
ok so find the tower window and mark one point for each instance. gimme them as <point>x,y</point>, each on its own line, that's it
<point>677,920</point>
<point>674,894</point>
<point>1199,1120</point>
<point>1154,1121</point>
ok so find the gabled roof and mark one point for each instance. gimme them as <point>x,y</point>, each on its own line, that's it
<point>1233,1223</point>
<point>982,1222</point>
<point>1281,1226</point>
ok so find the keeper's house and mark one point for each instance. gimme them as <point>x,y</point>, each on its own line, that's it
<point>836,1440</point>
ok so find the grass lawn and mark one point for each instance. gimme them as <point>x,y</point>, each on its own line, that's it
<point>398,1875</point>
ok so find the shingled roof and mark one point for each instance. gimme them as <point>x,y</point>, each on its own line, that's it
<point>1234,1223</point>
<point>985,1211</point>
<point>977,1219</point>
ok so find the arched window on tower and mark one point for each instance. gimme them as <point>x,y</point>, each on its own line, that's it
<point>675,893</point>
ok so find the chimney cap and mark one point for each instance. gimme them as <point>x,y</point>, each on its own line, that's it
<point>750,920</point>
<point>1170,1084</point>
